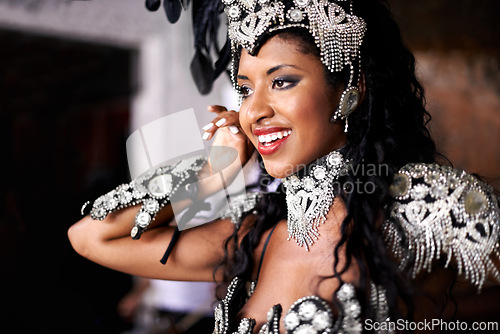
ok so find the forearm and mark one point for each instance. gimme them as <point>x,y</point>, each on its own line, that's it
<point>87,232</point>
<point>109,243</point>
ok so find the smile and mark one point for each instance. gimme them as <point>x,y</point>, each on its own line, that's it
<point>270,140</point>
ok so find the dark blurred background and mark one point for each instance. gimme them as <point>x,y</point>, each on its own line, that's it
<point>457,46</point>
<point>65,113</point>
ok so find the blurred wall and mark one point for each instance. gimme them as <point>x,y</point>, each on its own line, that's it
<point>76,78</point>
<point>457,47</point>
<point>164,51</point>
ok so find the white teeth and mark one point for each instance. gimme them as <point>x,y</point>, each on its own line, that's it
<point>274,136</point>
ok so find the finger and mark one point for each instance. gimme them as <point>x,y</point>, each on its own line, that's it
<point>216,108</point>
<point>220,122</point>
<point>207,136</point>
<point>224,119</point>
<point>210,133</point>
<point>234,129</point>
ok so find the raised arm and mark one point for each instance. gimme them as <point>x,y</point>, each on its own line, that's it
<point>108,243</point>
<point>198,250</point>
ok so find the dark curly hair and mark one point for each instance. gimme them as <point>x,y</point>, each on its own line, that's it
<point>387,129</point>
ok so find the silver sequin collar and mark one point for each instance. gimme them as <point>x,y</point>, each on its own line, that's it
<point>309,195</point>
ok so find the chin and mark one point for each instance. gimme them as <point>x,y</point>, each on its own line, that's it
<point>279,170</point>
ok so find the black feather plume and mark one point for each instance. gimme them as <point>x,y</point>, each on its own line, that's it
<point>153,5</point>
<point>172,9</point>
<point>206,21</point>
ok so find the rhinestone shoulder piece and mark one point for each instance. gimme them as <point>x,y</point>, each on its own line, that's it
<point>240,205</point>
<point>443,212</point>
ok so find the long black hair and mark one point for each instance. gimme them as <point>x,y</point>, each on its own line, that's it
<point>386,131</point>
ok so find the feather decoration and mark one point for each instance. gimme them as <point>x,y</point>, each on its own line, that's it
<point>153,5</point>
<point>206,21</point>
<point>173,9</point>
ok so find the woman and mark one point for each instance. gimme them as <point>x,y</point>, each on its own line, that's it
<point>331,103</point>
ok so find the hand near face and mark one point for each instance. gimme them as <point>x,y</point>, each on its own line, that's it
<point>225,128</point>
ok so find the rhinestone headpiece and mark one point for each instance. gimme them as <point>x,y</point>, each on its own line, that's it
<point>337,33</point>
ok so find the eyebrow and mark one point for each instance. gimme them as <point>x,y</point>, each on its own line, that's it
<point>275,68</point>
<point>271,70</point>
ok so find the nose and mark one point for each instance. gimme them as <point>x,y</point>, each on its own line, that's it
<point>259,107</point>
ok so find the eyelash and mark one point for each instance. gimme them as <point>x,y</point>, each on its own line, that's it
<point>289,83</point>
<point>242,92</point>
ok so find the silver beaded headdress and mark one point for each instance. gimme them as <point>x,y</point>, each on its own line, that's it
<point>336,31</point>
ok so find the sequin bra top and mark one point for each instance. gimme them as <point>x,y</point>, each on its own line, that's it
<point>308,315</point>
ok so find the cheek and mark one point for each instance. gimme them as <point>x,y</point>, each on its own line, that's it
<point>244,123</point>
<point>311,113</point>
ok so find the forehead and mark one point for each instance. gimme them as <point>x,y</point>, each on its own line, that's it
<point>277,51</point>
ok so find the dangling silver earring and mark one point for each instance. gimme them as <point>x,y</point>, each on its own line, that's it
<point>240,99</point>
<point>348,102</point>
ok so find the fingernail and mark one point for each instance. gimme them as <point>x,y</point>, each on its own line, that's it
<point>206,135</point>
<point>233,129</point>
<point>220,122</point>
<point>208,126</point>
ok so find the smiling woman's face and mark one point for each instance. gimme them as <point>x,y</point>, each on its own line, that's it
<point>287,105</point>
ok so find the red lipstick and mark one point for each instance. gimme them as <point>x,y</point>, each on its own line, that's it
<point>267,148</point>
